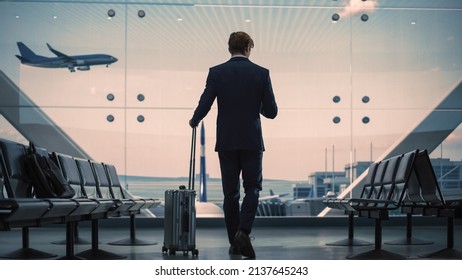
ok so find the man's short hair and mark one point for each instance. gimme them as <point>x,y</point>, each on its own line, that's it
<point>239,42</point>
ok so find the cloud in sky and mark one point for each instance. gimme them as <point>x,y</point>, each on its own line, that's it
<point>357,6</point>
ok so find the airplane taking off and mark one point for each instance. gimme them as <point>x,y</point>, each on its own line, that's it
<point>79,62</point>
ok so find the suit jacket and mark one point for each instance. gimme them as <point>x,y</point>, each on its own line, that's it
<point>243,91</point>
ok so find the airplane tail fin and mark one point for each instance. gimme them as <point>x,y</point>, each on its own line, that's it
<point>25,51</point>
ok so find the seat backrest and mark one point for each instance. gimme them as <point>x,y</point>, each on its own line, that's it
<point>369,180</point>
<point>388,180</point>
<point>429,187</point>
<point>71,172</point>
<point>102,180</point>
<point>376,187</point>
<point>404,179</point>
<point>116,187</point>
<point>87,178</point>
<point>413,192</point>
<point>3,192</point>
<point>42,151</point>
<point>15,175</point>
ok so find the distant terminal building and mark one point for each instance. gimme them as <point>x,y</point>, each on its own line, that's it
<point>302,190</point>
<point>355,170</point>
<point>449,175</point>
<point>324,182</point>
<point>320,183</point>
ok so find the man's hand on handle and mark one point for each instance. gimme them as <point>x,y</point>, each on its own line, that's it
<point>192,123</point>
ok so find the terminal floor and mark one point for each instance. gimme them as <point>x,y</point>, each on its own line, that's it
<point>270,243</point>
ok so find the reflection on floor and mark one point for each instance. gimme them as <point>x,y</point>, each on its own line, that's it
<point>271,243</point>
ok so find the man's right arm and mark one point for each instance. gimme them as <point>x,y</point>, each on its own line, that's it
<point>205,102</point>
<point>269,108</point>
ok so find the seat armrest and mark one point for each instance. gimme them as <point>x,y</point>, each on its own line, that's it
<point>371,204</point>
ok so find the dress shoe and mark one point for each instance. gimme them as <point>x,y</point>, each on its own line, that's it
<point>242,241</point>
<point>234,250</point>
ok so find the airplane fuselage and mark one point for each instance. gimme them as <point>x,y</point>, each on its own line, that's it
<point>80,61</point>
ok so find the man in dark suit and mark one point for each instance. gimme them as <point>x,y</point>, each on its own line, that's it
<point>243,91</point>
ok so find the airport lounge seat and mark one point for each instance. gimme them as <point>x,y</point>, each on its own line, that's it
<point>140,204</point>
<point>394,185</point>
<point>412,205</point>
<point>82,179</point>
<point>104,187</point>
<point>106,208</point>
<point>18,209</point>
<point>99,195</point>
<point>60,208</point>
<point>428,198</point>
<point>341,203</point>
<point>87,206</point>
<point>21,209</point>
<point>260,210</point>
<point>16,212</point>
<point>119,191</point>
<point>101,181</point>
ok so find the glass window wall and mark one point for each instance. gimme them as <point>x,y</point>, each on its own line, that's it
<point>353,81</point>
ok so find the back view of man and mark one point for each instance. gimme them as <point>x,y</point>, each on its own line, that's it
<point>243,91</point>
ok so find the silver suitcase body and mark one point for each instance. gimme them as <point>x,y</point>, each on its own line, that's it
<point>180,213</point>
<point>180,221</point>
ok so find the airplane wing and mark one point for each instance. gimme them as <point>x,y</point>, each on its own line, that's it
<point>60,54</point>
<point>272,197</point>
<point>269,197</point>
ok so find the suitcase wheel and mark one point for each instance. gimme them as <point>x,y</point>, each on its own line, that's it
<point>171,252</point>
<point>195,252</point>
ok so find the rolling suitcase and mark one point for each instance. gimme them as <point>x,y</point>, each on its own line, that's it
<point>180,214</point>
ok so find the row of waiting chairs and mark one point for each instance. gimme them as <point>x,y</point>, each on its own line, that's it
<point>99,195</point>
<point>271,208</point>
<point>406,183</point>
<point>425,198</point>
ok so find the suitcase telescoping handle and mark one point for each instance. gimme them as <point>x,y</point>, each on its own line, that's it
<point>192,160</point>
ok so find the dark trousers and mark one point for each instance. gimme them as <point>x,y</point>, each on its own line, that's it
<point>232,163</point>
